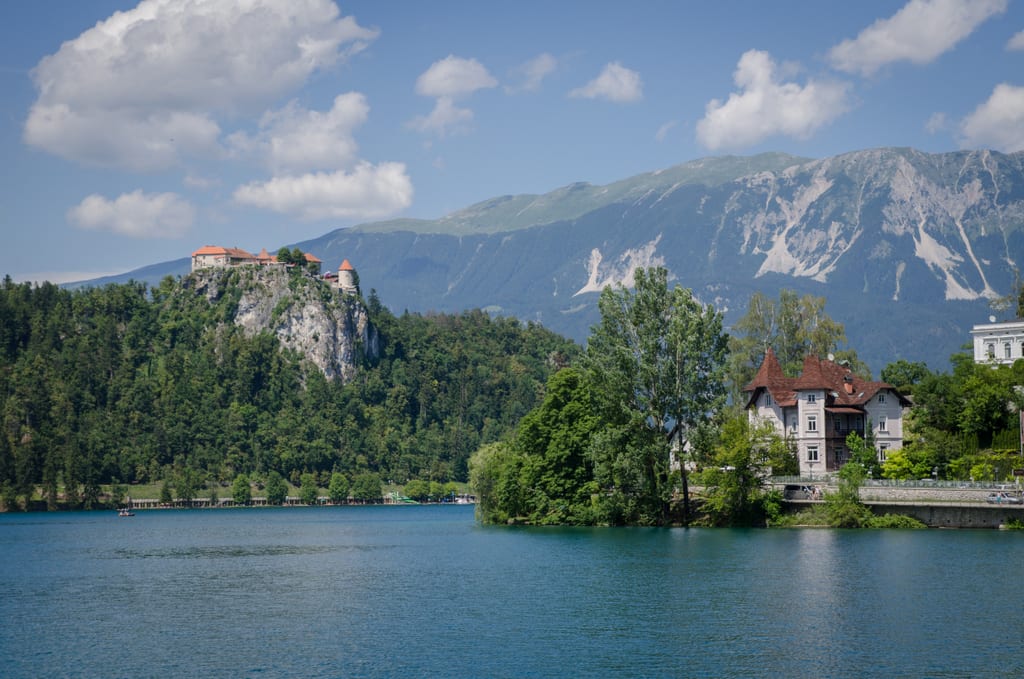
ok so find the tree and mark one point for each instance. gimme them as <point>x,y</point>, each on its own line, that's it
<point>554,441</point>
<point>904,375</point>
<point>286,256</point>
<point>794,327</point>
<point>165,493</point>
<point>656,367</point>
<point>277,489</point>
<point>187,485</point>
<point>734,484</point>
<point>862,451</point>
<point>418,490</point>
<point>308,491</point>
<point>338,488</point>
<point>845,510</point>
<point>241,491</point>
<point>366,487</point>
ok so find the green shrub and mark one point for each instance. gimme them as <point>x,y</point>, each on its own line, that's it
<point>895,521</point>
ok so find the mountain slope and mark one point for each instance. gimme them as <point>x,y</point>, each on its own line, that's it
<point>907,247</point>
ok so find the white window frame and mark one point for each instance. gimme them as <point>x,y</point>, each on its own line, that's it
<point>883,450</point>
<point>811,398</point>
<point>882,423</point>
<point>812,423</point>
<point>881,398</point>
<point>767,399</point>
<point>812,453</point>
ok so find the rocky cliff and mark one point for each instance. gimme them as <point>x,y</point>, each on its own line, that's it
<point>306,315</point>
<point>908,247</point>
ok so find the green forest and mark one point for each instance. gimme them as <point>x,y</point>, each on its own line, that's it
<point>109,387</point>
<point>124,384</point>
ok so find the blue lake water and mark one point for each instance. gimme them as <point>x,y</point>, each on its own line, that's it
<point>424,591</point>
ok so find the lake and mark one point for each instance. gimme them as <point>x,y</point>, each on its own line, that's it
<point>424,591</point>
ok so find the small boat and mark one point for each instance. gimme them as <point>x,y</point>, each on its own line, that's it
<point>124,511</point>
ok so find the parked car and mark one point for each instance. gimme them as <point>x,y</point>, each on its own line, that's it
<point>1004,499</point>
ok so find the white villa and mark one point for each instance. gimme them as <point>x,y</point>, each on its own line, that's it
<point>998,343</point>
<point>818,409</point>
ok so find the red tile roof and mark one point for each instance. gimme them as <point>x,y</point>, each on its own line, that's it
<point>841,386</point>
<point>345,266</point>
<point>236,253</point>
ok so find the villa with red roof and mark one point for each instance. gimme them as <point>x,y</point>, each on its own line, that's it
<point>817,410</point>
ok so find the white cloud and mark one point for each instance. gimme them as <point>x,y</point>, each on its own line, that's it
<point>532,73</point>
<point>297,139</point>
<point>997,123</point>
<point>663,131</point>
<point>920,32</point>
<point>937,122</point>
<point>147,85</point>
<point>615,83</point>
<point>446,118</point>
<point>447,80</point>
<point>135,214</point>
<point>1016,42</point>
<point>765,106</point>
<point>454,77</point>
<point>194,181</point>
<point>366,192</point>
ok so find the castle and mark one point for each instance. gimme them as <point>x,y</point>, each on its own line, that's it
<point>214,256</point>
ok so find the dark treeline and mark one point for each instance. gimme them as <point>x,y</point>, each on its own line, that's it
<point>124,384</point>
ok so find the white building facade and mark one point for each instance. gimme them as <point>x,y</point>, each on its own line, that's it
<point>998,343</point>
<point>816,411</point>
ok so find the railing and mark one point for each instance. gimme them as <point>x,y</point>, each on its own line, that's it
<point>899,483</point>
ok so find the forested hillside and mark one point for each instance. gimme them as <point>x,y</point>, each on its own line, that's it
<point>127,384</point>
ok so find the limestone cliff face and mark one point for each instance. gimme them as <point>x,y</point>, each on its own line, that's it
<point>330,328</point>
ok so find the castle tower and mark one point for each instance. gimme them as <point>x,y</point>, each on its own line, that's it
<point>348,279</point>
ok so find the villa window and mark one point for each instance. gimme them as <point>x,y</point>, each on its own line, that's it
<point>767,399</point>
<point>812,453</point>
<point>883,450</point>
<point>1006,350</point>
<point>881,398</point>
<point>881,423</point>
<point>812,423</point>
<point>810,398</point>
<point>991,351</point>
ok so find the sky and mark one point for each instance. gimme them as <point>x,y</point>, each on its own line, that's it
<point>136,132</point>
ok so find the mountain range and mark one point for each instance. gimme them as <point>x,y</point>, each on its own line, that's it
<point>908,247</point>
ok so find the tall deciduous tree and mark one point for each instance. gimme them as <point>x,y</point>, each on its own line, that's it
<point>793,327</point>
<point>656,362</point>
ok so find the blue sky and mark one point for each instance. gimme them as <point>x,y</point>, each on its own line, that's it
<point>134,133</point>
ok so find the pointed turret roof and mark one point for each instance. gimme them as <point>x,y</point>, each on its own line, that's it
<point>769,373</point>
<point>346,266</point>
